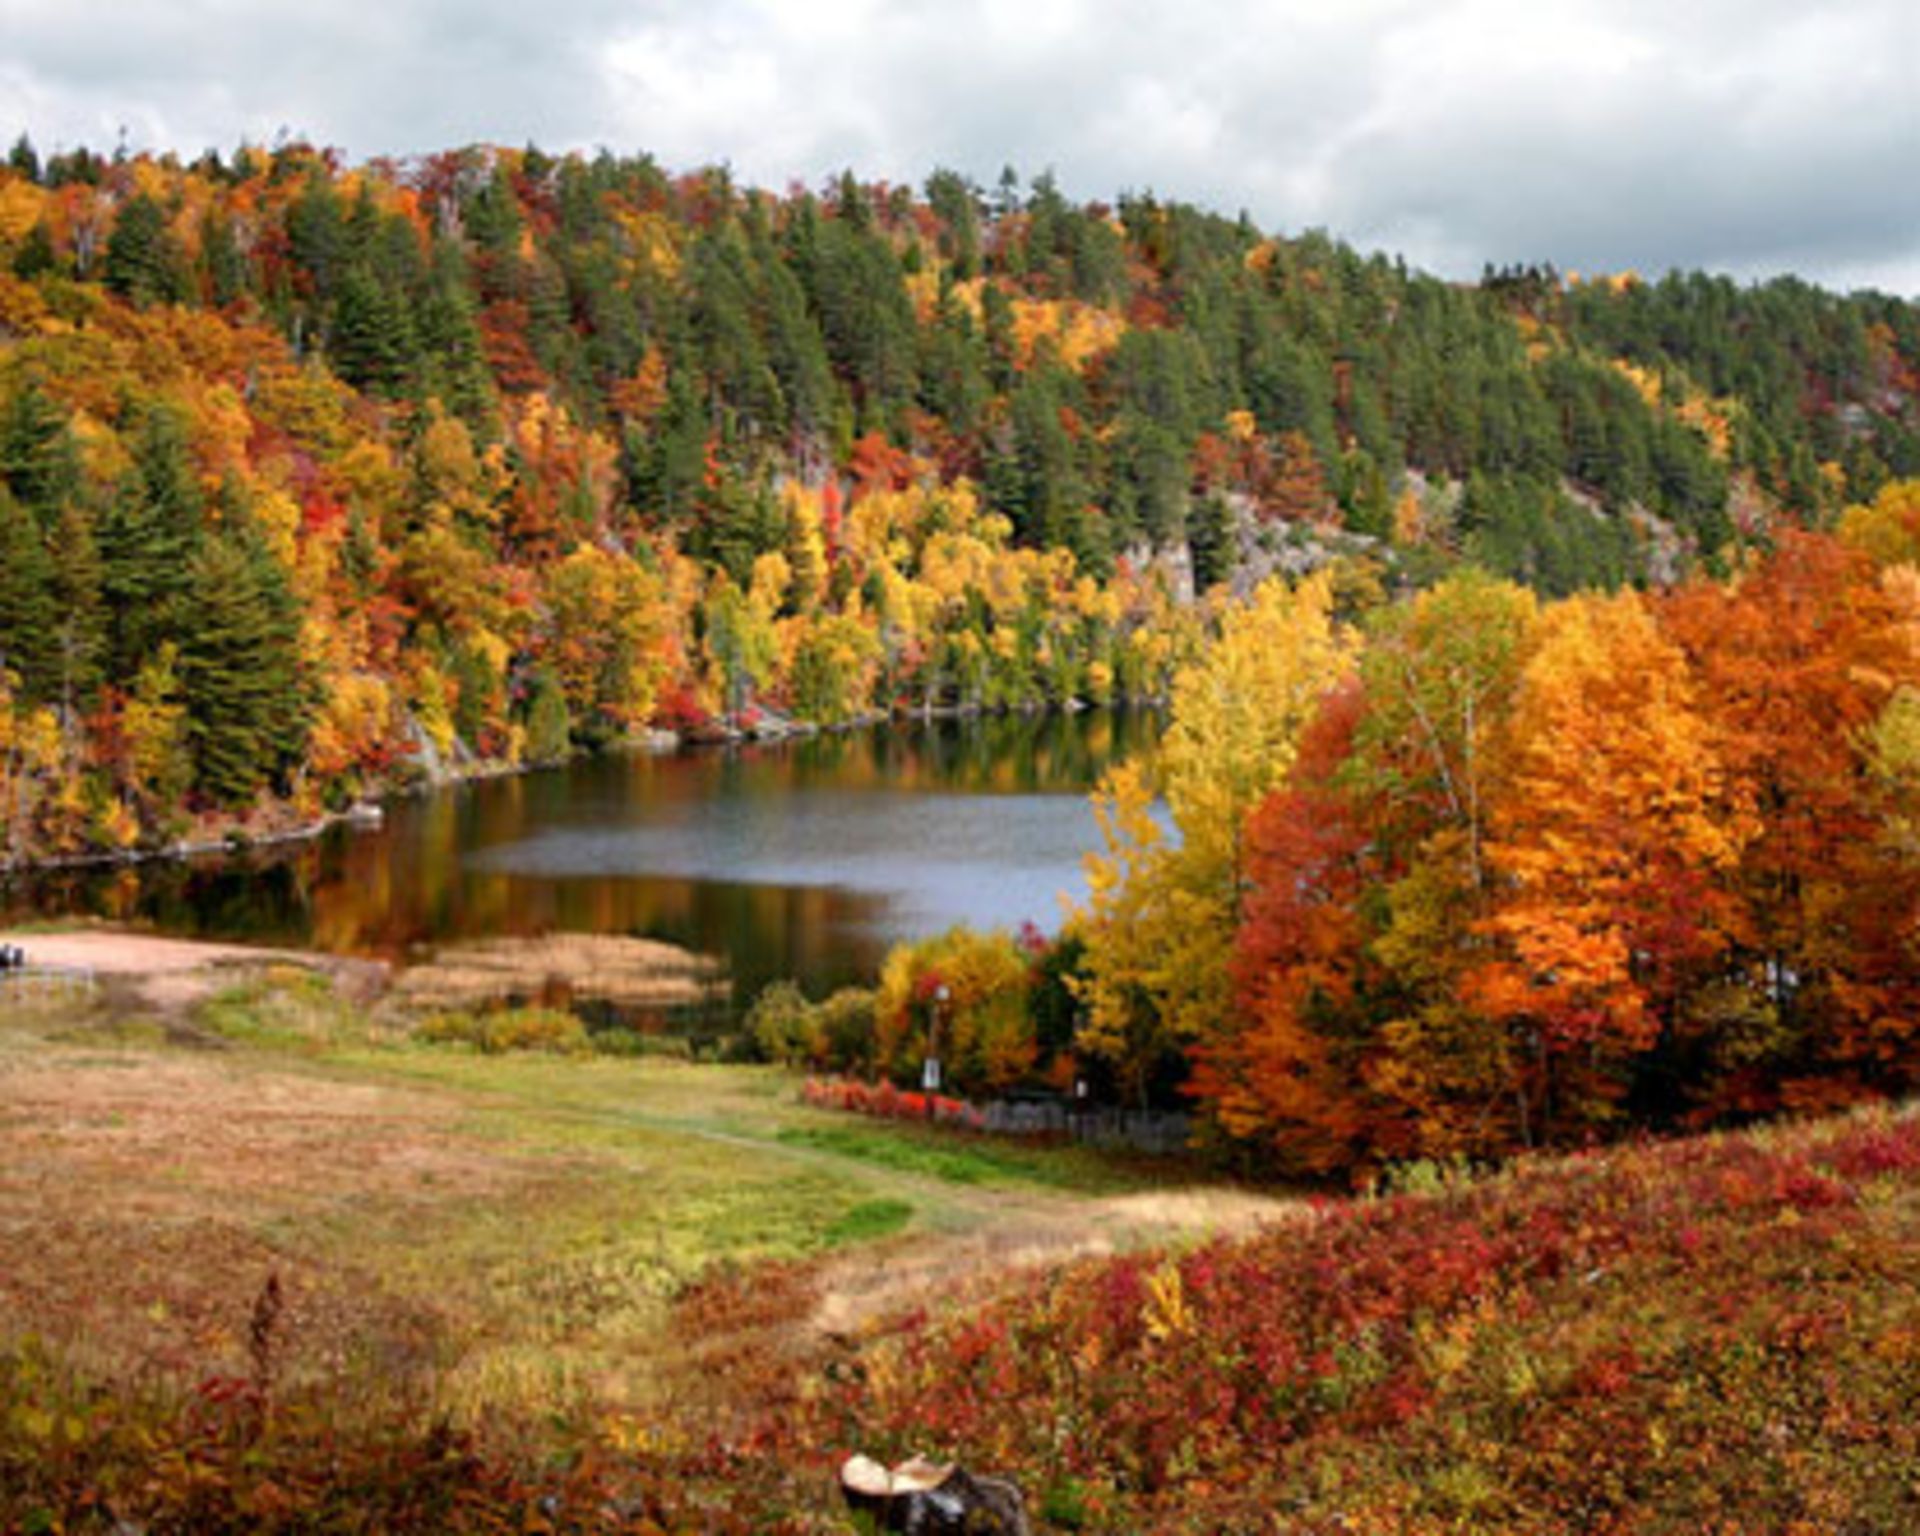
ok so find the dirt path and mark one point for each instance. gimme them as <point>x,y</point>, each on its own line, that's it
<point>171,975</point>
<point>1020,1231</point>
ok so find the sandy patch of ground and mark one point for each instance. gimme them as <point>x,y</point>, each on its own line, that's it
<point>171,975</point>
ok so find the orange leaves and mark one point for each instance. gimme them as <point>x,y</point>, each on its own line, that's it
<point>1624,851</point>
<point>641,394</point>
<point>1612,830</point>
<point>503,336</point>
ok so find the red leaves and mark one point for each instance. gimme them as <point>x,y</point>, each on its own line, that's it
<point>1577,1318</point>
<point>1619,857</point>
<point>885,1102</point>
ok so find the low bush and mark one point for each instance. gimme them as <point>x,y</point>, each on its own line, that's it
<point>885,1102</point>
<point>508,1029</point>
<point>1714,1334</point>
<point>835,1035</point>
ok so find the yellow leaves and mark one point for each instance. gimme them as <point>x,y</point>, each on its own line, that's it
<point>1165,1314</point>
<point>37,740</point>
<point>1615,819</point>
<point>1409,519</point>
<point>954,564</point>
<point>1241,426</point>
<point>116,826</point>
<point>433,706</point>
<point>154,722</point>
<point>979,1026</point>
<point>769,583</point>
<point>1892,751</point>
<point>22,311</point>
<point>1887,530</point>
<point>653,239</point>
<point>1238,713</point>
<point>1712,419</point>
<point>881,527</point>
<point>22,204</point>
<point>608,634</point>
<point>352,724</point>
<point>923,292</point>
<point>806,545</point>
<point>1646,383</point>
<point>452,580</point>
<point>278,515</point>
<point>1160,915</point>
<point>308,402</point>
<point>639,396</point>
<point>444,459</point>
<point>1077,332</point>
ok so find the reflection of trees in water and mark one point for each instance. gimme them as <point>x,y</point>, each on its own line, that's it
<point>986,754</point>
<point>389,891</point>
<point>261,896</point>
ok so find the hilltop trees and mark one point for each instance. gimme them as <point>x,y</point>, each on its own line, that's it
<point>507,432</point>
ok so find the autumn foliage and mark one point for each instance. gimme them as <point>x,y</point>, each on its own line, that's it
<point>1556,871</point>
<point>1714,1333</point>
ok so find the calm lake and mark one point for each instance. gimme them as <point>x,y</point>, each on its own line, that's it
<point>802,859</point>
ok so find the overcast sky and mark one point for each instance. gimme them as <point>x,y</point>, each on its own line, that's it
<point>1751,136</point>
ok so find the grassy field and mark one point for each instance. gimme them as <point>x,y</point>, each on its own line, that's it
<point>491,1239</point>
<point>272,1266</point>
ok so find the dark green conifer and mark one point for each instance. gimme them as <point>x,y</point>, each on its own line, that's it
<point>27,611</point>
<point>144,263</point>
<point>149,536</point>
<point>80,622</point>
<point>38,461</point>
<point>549,737</point>
<point>36,256</point>
<point>240,670</point>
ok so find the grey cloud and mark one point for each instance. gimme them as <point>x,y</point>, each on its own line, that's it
<point>1749,135</point>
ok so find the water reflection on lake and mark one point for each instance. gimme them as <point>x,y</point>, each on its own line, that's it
<point>801,859</point>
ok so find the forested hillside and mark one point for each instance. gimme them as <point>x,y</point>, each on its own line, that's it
<point>317,477</point>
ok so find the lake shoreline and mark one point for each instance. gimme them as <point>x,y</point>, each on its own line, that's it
<point>802,858</point>
<point>233,836</point>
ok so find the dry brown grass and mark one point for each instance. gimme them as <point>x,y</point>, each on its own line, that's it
<point>144,1196</point>
<point>562,967</point>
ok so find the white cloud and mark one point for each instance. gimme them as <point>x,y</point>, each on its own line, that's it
<point>1749,135</point>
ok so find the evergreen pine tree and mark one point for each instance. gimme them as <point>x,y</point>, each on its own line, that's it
<point>24,158</point>
<point>223,270</point>
<point>144,263</point>
<point>38,460</point>
<point>148,540</point>
<point>36,256</point>
<point>26,603</point>
<point>454,365</point>
<point>548,728</point>
<point>1210,539</point>
<point>371,342</point>
<point>240,671</point>
<point>80,622</point>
